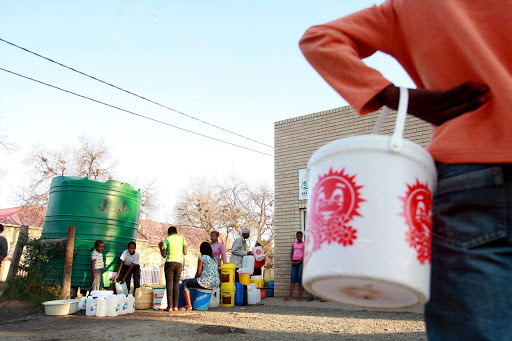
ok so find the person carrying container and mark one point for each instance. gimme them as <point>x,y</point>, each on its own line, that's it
<point>239,250</point>
<point>457,54</point>
<point>130,266</point>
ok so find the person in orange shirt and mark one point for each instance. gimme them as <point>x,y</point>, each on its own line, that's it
<point>456,53</point>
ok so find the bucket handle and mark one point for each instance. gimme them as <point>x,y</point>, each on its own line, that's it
<point>397,138</point>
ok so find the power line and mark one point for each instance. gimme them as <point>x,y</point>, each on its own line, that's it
<point>134,113</point>
<point>161,61</point>
<point>132,93</point>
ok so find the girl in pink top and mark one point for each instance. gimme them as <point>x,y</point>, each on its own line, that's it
<point>218,248</point>
<point>296,256</point>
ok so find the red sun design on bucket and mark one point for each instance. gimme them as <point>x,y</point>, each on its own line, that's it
<point>335,202</point>
<point>417,211</point>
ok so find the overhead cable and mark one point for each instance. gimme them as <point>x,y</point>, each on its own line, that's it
<point>134,113</point>
<point>132,93</point>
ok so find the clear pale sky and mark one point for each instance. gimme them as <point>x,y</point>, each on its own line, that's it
<point>232,63</point>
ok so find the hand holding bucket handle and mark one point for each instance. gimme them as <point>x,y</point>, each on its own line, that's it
<point>397,138</point>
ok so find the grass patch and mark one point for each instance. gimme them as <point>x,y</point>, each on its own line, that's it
<point>31,289</point>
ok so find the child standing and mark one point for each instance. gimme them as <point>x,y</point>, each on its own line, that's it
<point>130,266</point>
<point>97,264</point>
<point>296,256</point>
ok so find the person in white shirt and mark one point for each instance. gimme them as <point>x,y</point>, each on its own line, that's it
<point>130,266</point>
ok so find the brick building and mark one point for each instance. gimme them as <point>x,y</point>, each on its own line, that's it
<point>296,139</point>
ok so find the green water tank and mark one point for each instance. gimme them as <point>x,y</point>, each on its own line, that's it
<point>107,211</point>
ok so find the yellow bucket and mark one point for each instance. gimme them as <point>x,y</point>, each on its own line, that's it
<point>245,279</point>
<point>227,295</point>
<point>227,273</point>
<point>259,282</point>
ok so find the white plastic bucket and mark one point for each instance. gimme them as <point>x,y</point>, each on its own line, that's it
<point>369,219</point>
<point>215,299</point>
<point>258,253</point>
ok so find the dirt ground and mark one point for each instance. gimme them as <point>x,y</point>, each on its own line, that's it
<point>273,319</point>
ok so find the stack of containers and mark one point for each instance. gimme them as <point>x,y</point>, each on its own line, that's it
<point>109,305</point>
<point>227,287</point>
<point>270,290</point>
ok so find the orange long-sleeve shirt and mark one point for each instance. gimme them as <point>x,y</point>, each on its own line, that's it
<point>441,44</point>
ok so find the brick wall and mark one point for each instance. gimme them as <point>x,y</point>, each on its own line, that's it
<point>295,141</point>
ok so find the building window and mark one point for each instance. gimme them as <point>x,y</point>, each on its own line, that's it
<point>304,220</point>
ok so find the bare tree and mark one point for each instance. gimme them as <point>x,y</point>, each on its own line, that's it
<point>91,158</point>
<point>228,208</point>
<point>198,207</point>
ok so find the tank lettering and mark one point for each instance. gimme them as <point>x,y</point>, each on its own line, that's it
<point>111,209</point>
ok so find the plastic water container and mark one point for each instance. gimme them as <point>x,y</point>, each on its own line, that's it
<point>82,303</point>
<point>202,299</point>
<point>125,306</point>
<point>258,253</point>
<point>99,293</point>
<point>91,306</point>
<point>263,292</point>
<point>371,201</point>
<point>253,295</point>
<point>227,294</point>
<point>244,279</point>
<point>227,273</point>
<point>120,302</point>
<point>215,299</point>
<point>102,306</point>
<point>239,294</point>
<point>121,288</point>
<point>131,304</point>
<point>112,305</point>
<point>158,297</point>
<point>143,297</point>
<point>248,263</point>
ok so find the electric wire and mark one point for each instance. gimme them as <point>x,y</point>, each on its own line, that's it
<point>163,62</point>
<point>132,93</point>
<point>134,113</point>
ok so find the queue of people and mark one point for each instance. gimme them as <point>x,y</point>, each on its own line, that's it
<point>174,249</point>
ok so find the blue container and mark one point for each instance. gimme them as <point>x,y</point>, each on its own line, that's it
<point>201,300</point>
<point>239,293</point>
<point>270,292</point>
<point>271,285</point>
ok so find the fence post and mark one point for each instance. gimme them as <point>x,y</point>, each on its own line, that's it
<point>18,251</point>
<point>68,263</point>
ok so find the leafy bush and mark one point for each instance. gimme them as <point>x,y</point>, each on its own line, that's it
<point>28,285</point>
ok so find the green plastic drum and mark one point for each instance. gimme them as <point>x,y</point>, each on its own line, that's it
<point>107,211</point>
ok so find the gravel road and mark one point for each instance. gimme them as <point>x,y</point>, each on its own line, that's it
<point>271,320</point>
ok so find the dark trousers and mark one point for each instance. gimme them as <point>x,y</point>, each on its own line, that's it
<point>136,276</point>
<point>172,282</point>
<point>191,283</point>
